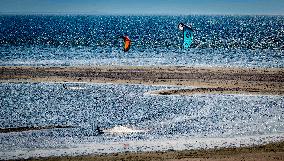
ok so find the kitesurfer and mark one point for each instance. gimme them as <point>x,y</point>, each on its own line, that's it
<point>127,43</point>
<point>187,35</point>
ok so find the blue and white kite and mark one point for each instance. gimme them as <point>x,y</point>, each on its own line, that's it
<point>187,35</point>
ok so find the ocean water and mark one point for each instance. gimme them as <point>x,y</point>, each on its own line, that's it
<point>50,40</point>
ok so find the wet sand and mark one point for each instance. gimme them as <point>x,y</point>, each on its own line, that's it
<point>268,152</point>
<point>268,81</point>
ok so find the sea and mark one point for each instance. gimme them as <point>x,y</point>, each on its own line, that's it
<point>130,118</point>
<point>226,41</point>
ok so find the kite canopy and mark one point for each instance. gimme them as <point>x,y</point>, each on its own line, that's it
<point>187,35</point>
<point>127,43</point>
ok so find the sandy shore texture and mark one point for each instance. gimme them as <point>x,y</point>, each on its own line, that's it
<point>268,152</point>
<point>267,81</point>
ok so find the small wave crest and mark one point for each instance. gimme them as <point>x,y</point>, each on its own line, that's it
<point>123,130</point>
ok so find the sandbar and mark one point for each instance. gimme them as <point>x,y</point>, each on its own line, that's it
<point>211,80</point>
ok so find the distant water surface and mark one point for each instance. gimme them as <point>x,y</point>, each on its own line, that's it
<point>46,40</point>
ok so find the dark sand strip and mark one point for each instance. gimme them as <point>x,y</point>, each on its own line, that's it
<point>219,90</point>
<point>21,129</point>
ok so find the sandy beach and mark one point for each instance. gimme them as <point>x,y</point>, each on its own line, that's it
<point>268,152</point>
<point>268,81</point>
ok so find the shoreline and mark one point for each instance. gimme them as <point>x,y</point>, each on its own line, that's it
<point>270,151</point>
<point>213,80</point>
<point>166,148</point>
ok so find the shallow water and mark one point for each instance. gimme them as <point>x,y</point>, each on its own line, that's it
<point>129,106</point>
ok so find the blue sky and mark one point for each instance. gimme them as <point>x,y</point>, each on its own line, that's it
<point>122,7</point>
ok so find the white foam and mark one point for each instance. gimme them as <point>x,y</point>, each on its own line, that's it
<point>122,130</point>
<point>76,88</point>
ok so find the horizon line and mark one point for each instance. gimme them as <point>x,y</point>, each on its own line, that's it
<point>136,14</point>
